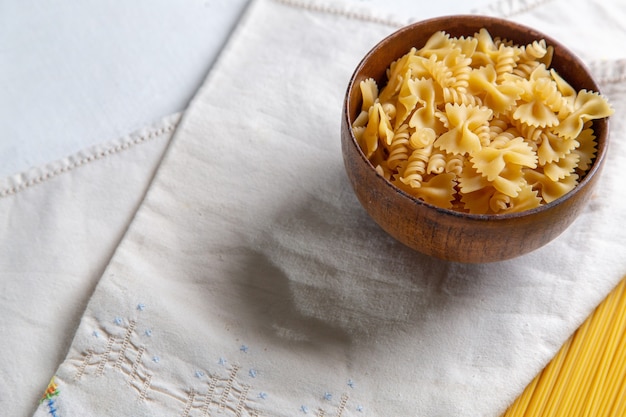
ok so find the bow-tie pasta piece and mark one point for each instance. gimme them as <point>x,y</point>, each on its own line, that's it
<point>491,160</point>
<point>540,100</point>
<point>438,46</point>
<point>587,147</point>
<point>568,94</point>
<point>526,199</point>
<point>378,130</point>
<point>478,202</point>
<point>498,96</point>
<point>550,190</point>
<point>476,191</point>
<point>557,170</point>
<point>408,97</point>
<point>424,114</point>
<point>396,73</point>
<point>551,147</point>
<point>510,181</point>
<point>462,122</point>
<point>588,105</point>
<point>486,52</point>
<point>479,124</point>
<point>369,91</point>
<point>439,190</point>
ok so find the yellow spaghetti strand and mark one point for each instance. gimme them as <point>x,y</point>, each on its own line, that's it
<point>555,397</point>
<point>587,365</point>
<point>521,404</point>
<point>587,377</point>
<point>619,408</point>
<point>615,368</point>
<point>570,389</point>
<point>616,379</point>
<point>592,347</point>
<point>547,380</point>
<point>559,393</point>
<point>612,334</point>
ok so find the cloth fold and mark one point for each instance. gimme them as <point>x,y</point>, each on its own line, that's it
<point>60,226</point>
<point>251,282</point>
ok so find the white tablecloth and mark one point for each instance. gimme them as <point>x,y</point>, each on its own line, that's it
<point>229,293</point>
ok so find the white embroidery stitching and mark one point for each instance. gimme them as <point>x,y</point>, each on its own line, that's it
<point>125,356</point>
<point>333,9</point>
<point>224,394</point>
<point>509,8</point>
<point>18,182</point>
<point>609,72</point>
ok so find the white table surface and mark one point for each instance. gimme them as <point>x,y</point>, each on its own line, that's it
<point>75,74</point>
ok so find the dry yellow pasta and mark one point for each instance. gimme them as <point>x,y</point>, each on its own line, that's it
<point>588,375</point>
<point>478,124</point>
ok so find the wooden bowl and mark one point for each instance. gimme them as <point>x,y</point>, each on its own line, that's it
<point>449,234</point>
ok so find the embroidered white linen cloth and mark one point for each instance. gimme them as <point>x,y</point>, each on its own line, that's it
<point>251,282</point>
<point>60,226</point>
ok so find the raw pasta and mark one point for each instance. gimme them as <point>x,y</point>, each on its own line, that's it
<point>588,374</point>
<point>479,124</point>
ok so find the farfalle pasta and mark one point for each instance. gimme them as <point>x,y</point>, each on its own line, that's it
<point>479,124</point>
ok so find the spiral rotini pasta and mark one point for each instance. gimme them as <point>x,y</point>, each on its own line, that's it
<point>415,168</point>
<point>399,149</point>
<point>479,124</point>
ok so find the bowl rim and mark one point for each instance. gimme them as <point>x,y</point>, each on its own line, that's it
<point>597,162</point>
